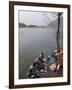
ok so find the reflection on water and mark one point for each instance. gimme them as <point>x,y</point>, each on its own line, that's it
<point>33,41</point>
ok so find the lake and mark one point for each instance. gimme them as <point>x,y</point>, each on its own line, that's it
<point>33,41</point>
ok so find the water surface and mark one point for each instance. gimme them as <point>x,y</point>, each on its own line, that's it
<point>33,41</point>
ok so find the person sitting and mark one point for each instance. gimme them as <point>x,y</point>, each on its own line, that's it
<point>40,59</point>
<point>59,59</point>
<point>42,55</point>
<point>52,62</point>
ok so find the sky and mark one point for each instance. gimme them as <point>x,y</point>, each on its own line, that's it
<point>36,18</point>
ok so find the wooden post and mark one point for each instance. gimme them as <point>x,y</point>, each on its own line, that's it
<point>58,32</point>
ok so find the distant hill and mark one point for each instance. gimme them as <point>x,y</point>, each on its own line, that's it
<point>24,25</point>
<point>53,24</point>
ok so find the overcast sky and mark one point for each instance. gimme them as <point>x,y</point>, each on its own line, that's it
<point>36,18</point>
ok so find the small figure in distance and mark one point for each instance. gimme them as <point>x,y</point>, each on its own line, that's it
<point>42,55</point>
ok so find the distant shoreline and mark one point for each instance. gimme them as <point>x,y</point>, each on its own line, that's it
<point>33,26</point>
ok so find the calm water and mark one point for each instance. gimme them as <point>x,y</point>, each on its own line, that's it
<point>33,41</point>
